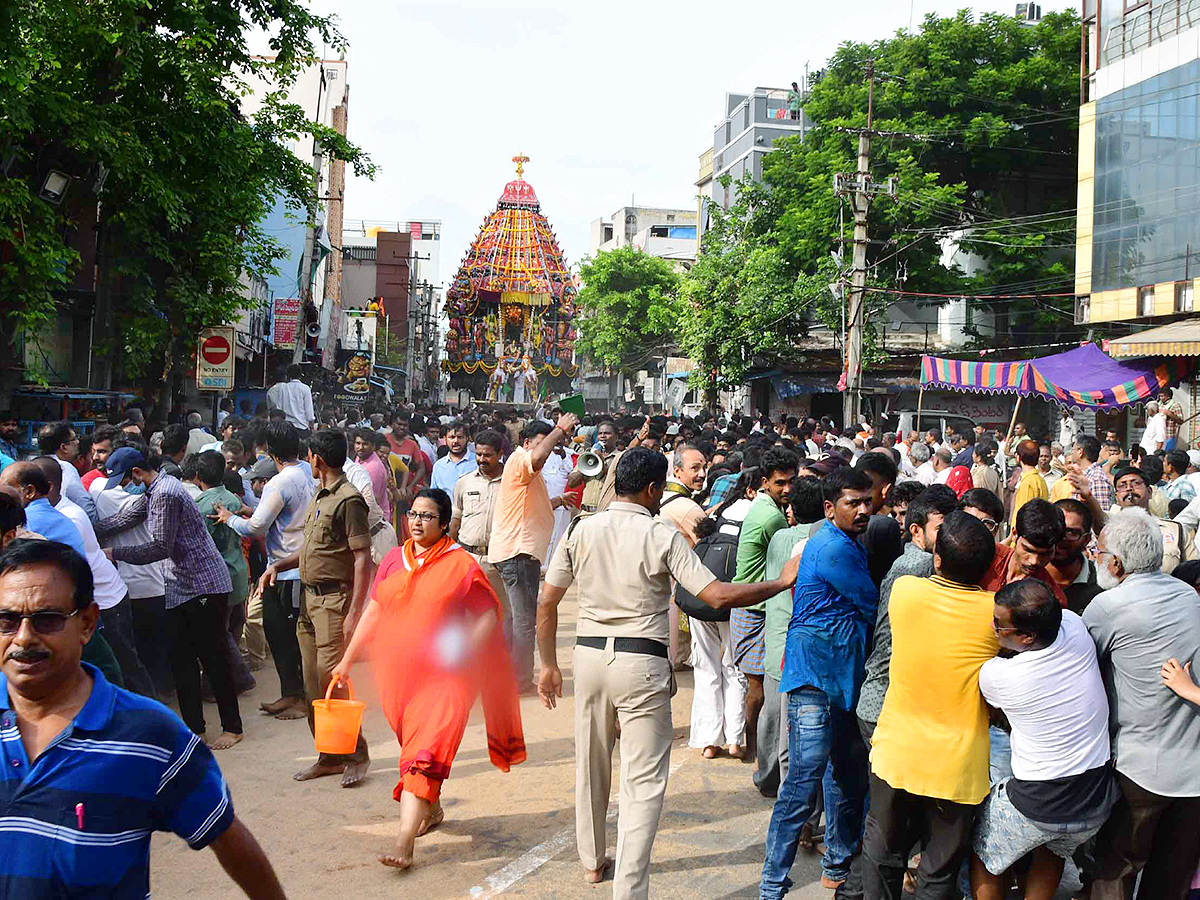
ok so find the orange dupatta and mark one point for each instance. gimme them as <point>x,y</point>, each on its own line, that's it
<point>417,601</point>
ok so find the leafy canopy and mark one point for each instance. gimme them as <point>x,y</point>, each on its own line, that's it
<point>629,307</point>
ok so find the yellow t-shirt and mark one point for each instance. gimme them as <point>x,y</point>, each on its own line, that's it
<point>932,736</point>
<point>1062,490</point>
<point>1032,485</point>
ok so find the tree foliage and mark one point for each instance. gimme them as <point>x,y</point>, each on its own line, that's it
<point>975,119</point>
<point>629,307</point>
<point>149,93</point>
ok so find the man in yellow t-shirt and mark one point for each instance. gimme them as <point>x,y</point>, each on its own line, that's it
<point>1032,484</point>
<point>929,752</point>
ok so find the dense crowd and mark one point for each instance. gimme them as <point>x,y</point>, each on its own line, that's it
<point>961,661</point>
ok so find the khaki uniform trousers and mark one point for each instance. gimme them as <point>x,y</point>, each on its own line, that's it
<point>319,634</point>
<point>253,633</point>
<point>634,689</point>
<point>497,583</point>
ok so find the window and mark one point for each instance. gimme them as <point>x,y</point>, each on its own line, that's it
<point>1083,310</point>
<point>659,231</point>
<point>1146,301</point>
<point>608,233</point>
<point>1183,296</point>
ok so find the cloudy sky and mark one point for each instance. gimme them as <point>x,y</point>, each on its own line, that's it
<point>612,102</point>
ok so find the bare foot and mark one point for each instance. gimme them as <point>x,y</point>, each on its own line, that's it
<point>316,770</point>
<point>395,861</point>
<point>297,710</point>
<point>437,815</point>
<point>710,752</point>
<point>224,741</point>
<point>354,773</point>
<point>276,705</point>
<point>737,751</point>
<point>595,876</point>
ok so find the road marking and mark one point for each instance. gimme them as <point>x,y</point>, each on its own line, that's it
<point>532,860</point>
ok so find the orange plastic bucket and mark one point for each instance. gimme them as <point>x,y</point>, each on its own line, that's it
<point>336,722</point>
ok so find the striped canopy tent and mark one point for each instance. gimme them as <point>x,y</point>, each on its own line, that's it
<point>1085,377</point>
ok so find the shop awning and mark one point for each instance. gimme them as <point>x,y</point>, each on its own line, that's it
<point>1174,339</point>
<point>1084,377</point>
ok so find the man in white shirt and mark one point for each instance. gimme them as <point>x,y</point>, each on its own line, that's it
<point>59,440</point>
<point>942,462</point>
<point>1061,790</point>
<point>1155,434</point>
<point>919,455</point>
<point>1068,428</point>
<point>146,584</point>
<point>294,397</point>
<point>280,516</point>
<point>109,591</point>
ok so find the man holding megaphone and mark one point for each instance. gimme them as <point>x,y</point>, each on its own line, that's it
<point>595,468</point>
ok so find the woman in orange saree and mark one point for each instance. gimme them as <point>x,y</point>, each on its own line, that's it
<point>435,623</point>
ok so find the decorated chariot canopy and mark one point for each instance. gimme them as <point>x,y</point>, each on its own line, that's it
<point>512,303</point>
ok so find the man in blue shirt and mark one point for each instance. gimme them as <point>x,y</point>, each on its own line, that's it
<point>88,771</point>
<point>9,429</point>
<point>40,516</point>
<point>834,607</point>
<point>459,461</point>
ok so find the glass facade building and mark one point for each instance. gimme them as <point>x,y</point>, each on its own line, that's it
<point>1146,229</point>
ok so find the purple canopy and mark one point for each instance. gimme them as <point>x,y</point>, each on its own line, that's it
<point>1084,377</point>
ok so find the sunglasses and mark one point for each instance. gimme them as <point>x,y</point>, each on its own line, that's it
<point>43,622</point>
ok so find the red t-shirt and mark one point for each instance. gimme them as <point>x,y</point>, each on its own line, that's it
<point>90,477</point>
<point>997,575</point>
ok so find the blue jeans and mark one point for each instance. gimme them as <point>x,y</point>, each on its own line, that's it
<point>819,736</point>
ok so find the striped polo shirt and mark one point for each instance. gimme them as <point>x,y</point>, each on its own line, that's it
<point>77,821</point>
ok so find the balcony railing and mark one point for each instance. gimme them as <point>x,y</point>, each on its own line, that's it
<point>1152,24</point>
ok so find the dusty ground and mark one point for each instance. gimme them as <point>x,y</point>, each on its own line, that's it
<point>504,835</point>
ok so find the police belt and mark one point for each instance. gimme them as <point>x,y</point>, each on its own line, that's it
<point>325,587</point>
<point>378,527</point>
<point>585,508</point>
<point>478,551</point>
<point>626,645</point>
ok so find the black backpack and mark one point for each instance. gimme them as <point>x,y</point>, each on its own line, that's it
<point>718,551</point>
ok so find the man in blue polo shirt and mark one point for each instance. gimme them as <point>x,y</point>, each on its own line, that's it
<point>87,770</point>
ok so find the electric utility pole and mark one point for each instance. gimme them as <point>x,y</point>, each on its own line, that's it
<point>859,187</point>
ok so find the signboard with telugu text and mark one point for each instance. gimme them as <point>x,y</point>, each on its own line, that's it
<point>214,359</point>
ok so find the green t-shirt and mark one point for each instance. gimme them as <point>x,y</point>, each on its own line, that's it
<point>779,607</point>
<point>762,520</point>
<point>228,541</point>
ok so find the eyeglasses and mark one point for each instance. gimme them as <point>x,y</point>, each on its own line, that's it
<point>990,524</point>
<point>1001,629</point>
<point>422,516</point>
<point>44,621</point>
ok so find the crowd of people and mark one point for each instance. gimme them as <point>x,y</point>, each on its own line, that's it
<point>960,662</point>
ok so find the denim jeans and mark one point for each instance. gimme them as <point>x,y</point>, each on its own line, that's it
<point>521,575</point>
<point>819,735</point>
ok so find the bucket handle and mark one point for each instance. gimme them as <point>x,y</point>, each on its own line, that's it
<point>349,688</point>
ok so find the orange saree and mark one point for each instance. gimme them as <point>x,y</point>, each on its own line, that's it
<point>428,682</point>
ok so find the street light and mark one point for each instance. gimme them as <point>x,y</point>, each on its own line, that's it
<point>54,188</point>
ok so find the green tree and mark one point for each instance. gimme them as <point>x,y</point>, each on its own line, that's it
<point>629,308</point>
<point>975,119</point>
<point>149,95</point>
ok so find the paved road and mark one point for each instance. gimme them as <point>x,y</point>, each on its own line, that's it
<point>509,835</point>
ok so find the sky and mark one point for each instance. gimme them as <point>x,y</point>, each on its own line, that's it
<point>613,103</point>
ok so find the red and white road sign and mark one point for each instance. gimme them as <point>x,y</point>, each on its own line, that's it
<point>214,359</point>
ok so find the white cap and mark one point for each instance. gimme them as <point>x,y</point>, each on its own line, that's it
<point>1194,458</point>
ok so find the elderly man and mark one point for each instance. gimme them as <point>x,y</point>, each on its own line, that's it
<point>688,467</point>
<point>1143,618</point>
<point>1133,491</point>
<point>68,733</point>
<point>919,456</point>
<point>60,440</point>
<point>1155,434</point>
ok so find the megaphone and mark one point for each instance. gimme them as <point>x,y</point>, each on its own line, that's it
<point>313,330</point>
<point>589,463</point>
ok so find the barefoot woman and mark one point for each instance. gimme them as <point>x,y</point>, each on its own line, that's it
<point>435,622</point>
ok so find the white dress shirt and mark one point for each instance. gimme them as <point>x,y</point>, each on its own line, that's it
<point>295,399</point>
<point>109,589</point>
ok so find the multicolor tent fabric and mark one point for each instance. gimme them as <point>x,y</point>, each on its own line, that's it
<point>1085,377</point>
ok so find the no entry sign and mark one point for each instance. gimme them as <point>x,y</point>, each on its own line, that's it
<point>214,359</point>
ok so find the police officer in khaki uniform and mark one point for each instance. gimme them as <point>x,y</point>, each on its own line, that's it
<point>335,569</point>
<point>623,560</point>
<point>474,502</point>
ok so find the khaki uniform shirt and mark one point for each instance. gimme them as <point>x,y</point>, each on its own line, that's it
<point>474,504</point>
<point>335,526</point>
<point>624,560</point>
